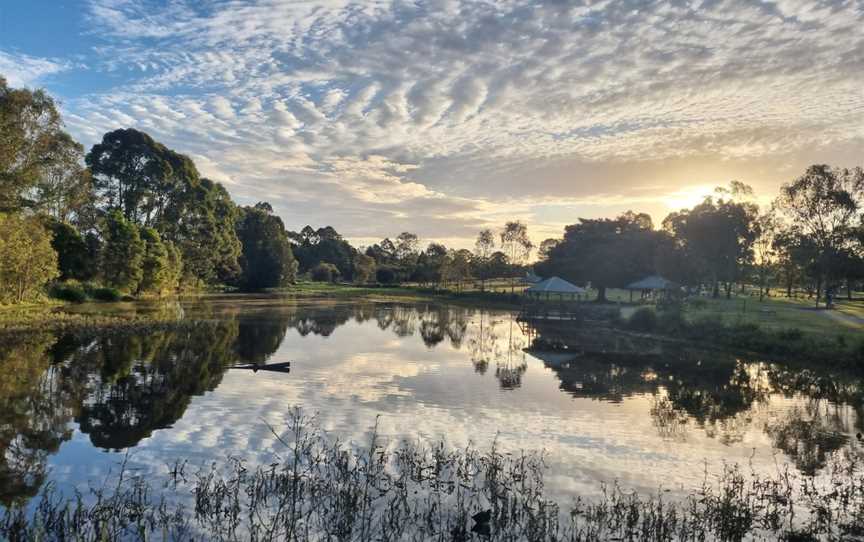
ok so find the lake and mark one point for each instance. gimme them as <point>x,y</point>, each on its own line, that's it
<point>603,406</point>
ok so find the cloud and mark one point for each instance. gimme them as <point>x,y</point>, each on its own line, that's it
<point>344,111</point>
<point>22,70</point>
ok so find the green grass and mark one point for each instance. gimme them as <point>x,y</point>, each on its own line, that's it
<point>780,313</point>
<point>86,317</point>
<point>316,290</point>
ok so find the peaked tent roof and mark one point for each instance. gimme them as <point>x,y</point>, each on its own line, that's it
<point>555,285</point>
<point>653,282</point>
<point>553,358</point>
<point>532,278</point>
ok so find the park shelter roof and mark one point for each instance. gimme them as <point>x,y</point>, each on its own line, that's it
<point>553,358</point>
<point>555,285</point>
<point>532,278</point>
<point>653,282</point>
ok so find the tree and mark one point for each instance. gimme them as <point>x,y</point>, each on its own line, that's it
<point>122,253</point>
<point>325,272</point>
<point>75,257</point>
<point>429,263</point>
<point>389,250</point>
<point>267,260</point>
<point>161,264</point>
<point>605,252</point>
<point>174,274</point>
<point>823,204</point>
<point>364,268</point>
<point>499,264</point>
<point>456,267</point>
<point>27,260</point>
<point>135,174</point>
<point>201,220</point>
<point>718,236</point>
<point>406,251</point>
<point>764,249</point>
<point>796,257</point>
<point>483,248</point>
<point>30,131</point>
<point>546,247</point>
<point>154,186</point>
<point>516,244</point>
<point>406,245</point>
<point>65,187</point>
<point>386,275</point>
<point>383,252</point>
<point>325,245</point>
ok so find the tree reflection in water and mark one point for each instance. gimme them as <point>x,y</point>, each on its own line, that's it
<point>121,387</point>
<point>34,416</point>
<point>714,391</point>
<point>809,436</point>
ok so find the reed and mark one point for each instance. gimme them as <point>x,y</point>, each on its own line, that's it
<point>324,489</point>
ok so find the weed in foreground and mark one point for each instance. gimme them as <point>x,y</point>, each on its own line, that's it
<point>328,490</point>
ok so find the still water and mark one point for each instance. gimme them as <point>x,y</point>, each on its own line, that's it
<point>645,414</point>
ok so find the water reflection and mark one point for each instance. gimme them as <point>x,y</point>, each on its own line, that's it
<point>34,415</point>
<point>119,389</point>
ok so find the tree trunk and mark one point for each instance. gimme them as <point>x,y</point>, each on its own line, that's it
<point>728,290</point>
<point>601,294</point>
<point>715,292</point>
<point>818,289</point>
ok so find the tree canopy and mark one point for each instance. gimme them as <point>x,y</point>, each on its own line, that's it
<point>267,260</point>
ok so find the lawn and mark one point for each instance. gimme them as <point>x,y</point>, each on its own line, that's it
<point>847,318</point>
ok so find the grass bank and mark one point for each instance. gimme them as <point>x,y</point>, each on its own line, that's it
<point>15,320</point>
<point>492,298</point>
<point>326,490</point>
<point>833,345</point>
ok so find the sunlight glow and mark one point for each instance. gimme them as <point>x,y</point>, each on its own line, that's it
<point>688,196</point>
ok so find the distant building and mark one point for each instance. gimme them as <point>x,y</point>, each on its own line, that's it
<point>652,284</point>
<point>554,286</point>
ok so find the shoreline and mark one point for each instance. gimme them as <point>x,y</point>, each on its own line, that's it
<point>789,344</point>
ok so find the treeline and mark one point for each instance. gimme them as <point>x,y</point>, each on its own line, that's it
<point>131,217</point>
<point>810,239</point>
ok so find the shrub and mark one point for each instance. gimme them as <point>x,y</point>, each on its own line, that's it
<point>70,291</point>
<point>643,319</point>
<point>324,272</point>
<point>697,302</point>
<point>106,294</point>
<point>386,275</point>
<point>671,320</point>
<point>791,334</point>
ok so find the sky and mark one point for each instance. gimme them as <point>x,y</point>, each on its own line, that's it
<point>443,117</point>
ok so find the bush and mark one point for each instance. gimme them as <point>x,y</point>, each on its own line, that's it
<point>106,294</point>
<point>697,302</point>
<point>643,319</point>
<point>386,275</point>
<point>791,334</point>
<point>671,320</point>
<point>324,272</point>
<point>70,291</point>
